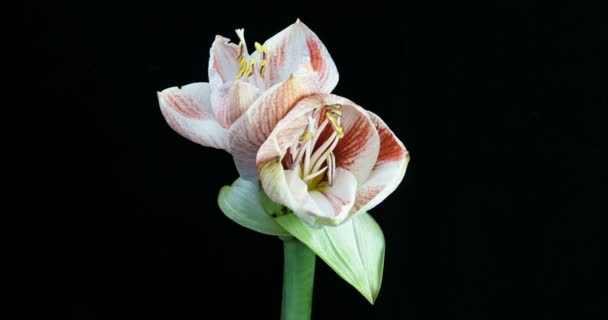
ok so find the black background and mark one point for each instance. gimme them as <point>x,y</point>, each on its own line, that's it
<point>502,106</point>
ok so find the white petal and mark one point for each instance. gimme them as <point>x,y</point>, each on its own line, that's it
<point>335,202</point>
<point>188,111</point>
<point>358,150</point>
<point>298,45</point>
<point>388,170</point>
<point>231,100</point>
<point>222,61</point>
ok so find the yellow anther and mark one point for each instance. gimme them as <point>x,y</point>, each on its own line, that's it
<point>335,109</point>
<point>262,68</point>
<point>306,136</point>
<point>335,106</point>
<point>334,123</point>
<point>242,68</point>
<point>258,47</point>
<point>262,49</point>
<point>249,70</point>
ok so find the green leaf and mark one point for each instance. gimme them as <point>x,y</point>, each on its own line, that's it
<point>354,249</point>
<point>242,203</point>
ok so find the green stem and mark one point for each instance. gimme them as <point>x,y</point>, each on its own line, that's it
<point>298,279</point>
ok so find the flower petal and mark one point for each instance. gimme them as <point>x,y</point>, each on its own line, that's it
<point>222,61</point>
<point>188,112</point>
<point>328,207</point>
<point>250,131</point>
<point>231,100</point>
<point>335,202</point>
<point>358,150</point>
<point>285,187</point>
<point>297,45</point>
<point>388,171</point>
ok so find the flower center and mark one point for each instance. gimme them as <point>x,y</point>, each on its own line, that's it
<point>247,64</point>
<point>312,156</point>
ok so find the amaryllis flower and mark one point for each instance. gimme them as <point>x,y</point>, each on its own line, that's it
<point>329,159</point>
<point>225,112</point>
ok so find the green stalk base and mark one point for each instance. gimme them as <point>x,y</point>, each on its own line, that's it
<point>298,280</point>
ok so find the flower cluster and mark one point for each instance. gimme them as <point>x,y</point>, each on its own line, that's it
<point>320,155</point>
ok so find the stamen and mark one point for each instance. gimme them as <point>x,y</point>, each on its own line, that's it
<point>242,68</point>
<point>262,68</point>
<point>327,146</point>
<point>246,64</point>
<point>319,131</point>
<point>296,168</point>
<point>298,157</point>
<point>308,163</point>
<point>240,56</point>
<point>334,122</point>
<point>331,164</point>
<point>314,175</point>
<point>249,70</point>
<point>263,50</point>
<point>306,136</point>
<point>335,107</point>
<point>306,166</point>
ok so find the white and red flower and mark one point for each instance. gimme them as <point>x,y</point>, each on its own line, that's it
<point>224,113</point>
<point>322,156</point>
<point>329,159</point>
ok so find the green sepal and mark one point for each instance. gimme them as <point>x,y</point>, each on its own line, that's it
<point>354,249</point>
<point>242,203</point>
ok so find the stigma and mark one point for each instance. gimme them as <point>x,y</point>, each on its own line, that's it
<point>312,155</point>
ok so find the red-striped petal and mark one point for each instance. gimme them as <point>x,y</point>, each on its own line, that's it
<point>358,150</point>
<point>188,112</point>
<point>222,61</point>
<point>298,45</point>
<point>231,100</point>
<point>388,170</point>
